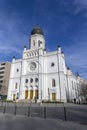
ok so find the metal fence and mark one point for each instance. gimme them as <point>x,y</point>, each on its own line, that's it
<point>57,112</point>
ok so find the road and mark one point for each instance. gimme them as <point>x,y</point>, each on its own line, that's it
<point>11,122</point>
<point>72,112</point>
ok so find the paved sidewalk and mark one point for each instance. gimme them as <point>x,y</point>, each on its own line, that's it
<point>11,122</point>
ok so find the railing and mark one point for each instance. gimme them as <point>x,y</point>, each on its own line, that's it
<point>35,110</point>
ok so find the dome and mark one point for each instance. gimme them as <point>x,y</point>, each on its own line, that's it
<point>37,30</point>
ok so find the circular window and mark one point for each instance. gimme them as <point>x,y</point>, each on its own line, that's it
<point>32,66</point>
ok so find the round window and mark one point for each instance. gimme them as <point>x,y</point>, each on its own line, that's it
<point>32,66</point>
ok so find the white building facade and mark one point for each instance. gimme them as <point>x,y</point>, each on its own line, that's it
<point>41,75</point>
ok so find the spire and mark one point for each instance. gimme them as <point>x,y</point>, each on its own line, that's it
<point>25,48</point>
<point>59,49</point>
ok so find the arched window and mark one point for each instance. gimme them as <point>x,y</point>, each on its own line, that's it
<point>33,43</point>
<point>31,86</point>
<point>36,86</point>
<point>17,96</point>
<point>26,81</point>
<point>17,69</point>
<point>39,43</point>
<point>36,79</point>
<point>31,80</point>
<point>53,83</point>
<point>52,64</point>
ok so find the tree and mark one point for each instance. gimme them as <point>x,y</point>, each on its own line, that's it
<point>3,89</point>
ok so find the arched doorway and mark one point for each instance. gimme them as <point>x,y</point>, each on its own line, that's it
<point>26,94</point>
<point>36,94</point>
<point>14,97</point>
<point>53,96</point>
<point>31,94</point>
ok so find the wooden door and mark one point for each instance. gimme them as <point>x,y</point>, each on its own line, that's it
<point>53,96</point>
<point>14,96</point>
<point>36,94</point>
<point>26,94</point>
<point>31,94</point>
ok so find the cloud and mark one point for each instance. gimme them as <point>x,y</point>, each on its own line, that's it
<point>9,50</point>
<point>76,56</point>
<point>12,39</point>
<point>74,7</point>
<point>81,5</point>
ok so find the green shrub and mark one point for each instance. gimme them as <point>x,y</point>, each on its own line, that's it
<point>47,101</point>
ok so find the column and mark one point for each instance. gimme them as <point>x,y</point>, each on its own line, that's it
<point>28,94</point>
<point>33,94</point>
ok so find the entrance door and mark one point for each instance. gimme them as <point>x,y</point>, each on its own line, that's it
<point>31,94</point>
<point>14,96</point>
<point>26,94</point>
<point>36,94</point>
<point>53,96</point>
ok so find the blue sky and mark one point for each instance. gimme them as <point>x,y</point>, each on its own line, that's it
<point>64,22</point>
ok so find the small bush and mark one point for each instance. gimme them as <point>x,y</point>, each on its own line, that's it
<point>47,101</point>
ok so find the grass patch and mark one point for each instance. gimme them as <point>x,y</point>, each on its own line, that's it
<point>4,100</point>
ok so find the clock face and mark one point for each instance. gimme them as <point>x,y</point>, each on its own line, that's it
<point>32,66</point>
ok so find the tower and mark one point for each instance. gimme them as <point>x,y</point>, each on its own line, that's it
<point>37,40</point>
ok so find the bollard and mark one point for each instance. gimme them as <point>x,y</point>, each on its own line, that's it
<point>65,113</point>
<point>4,108</point>
<point>29,111</point>
<point>44,112</point>
<point>22,104</point>
<point>8,104</point>
<point>15,109</point>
